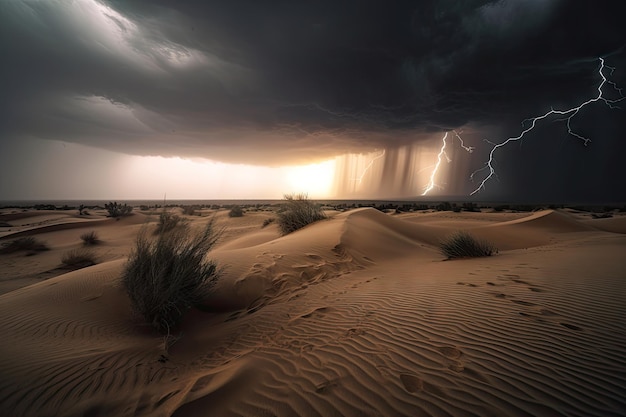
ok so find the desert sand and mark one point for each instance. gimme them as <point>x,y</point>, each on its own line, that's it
<point>357,315</point>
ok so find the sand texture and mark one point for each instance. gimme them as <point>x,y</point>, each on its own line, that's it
<point>357,315</point>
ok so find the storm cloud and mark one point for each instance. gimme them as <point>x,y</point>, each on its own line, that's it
<point>274,83</point>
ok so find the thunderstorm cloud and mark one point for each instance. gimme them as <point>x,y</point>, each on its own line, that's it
<point>271,83</point>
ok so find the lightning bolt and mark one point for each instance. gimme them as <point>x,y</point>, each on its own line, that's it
<point>442,153</point>
<point>359,179</point>
<point>568,115</point>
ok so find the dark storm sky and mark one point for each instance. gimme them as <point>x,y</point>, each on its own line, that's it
<point>271,82</point>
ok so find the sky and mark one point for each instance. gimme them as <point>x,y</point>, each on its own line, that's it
<point>112,99</point>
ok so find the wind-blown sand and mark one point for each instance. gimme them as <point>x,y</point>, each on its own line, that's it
<point>353,316</point>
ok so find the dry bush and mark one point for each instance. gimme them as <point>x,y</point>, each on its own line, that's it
<point>118,210</point>
<point>90,238</point>
<point>79,258</point>
<point>27,243</point>
<point>268,221</point>
<point>464,245</point>
<point>168,274</point>
<point>235,211</point>
<point>297,212</point>
<point>169,221</point>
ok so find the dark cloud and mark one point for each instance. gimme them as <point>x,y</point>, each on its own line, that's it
<point>276,82</point>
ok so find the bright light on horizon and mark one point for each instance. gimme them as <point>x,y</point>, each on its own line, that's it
<point>179,178</point>
<point>316,180</point>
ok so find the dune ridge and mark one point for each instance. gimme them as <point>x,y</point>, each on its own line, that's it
<point>355,315</point>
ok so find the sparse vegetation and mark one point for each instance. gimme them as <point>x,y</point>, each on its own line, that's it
<point>90,238</point>
<point>235,211</point>
<point>268,221</point>
<point>168,274</point>
<point>78,258</point>
<point>189,210</point>
<point>29,244</point>
<point>169,221</point>
<point>601,215</point>
<point>297,212</point>
<point>464,245</point>
<point>117,210</point>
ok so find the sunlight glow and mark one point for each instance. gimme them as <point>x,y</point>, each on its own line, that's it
<point>316,180</point>
<point>179,178</point>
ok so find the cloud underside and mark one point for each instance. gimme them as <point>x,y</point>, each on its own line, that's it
<point>282,84</point>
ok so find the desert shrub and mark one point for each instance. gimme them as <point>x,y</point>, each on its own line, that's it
<point>297,212</point>
<point>168,274</point>
<point>268,221</point>
<point>169,221</point>
<point>78,258</point>
<point>28,243</point>
<point>90,238</point>
<point>117,210</point>
<point>464,245</point>
<point>469,206</point>
<point>235,211</point>
<point>601,215</point>
<point>189,210</point>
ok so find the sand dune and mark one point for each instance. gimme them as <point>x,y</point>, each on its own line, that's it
<point>356,315</point>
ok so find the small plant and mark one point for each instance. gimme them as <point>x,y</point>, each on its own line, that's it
<point>189,210</point>
<point>169,221</point>
<point>297,212</point>
<point>78,258</point>
<point>235,211</point>
<point>117,210</point>
<point>90,238</point>
<point>464,245</point>
<point>601,215</point>
<point>28,243</point>
<point>168,274</point>
<point>268,221</point>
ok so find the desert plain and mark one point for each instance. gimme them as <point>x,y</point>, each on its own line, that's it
<point>356,315</point>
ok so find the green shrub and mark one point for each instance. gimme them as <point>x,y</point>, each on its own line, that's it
<point>78,258</point>
<point>90,238</point>
<point>28,243</point>
<point>169,221</point>
<point>297,212</point>
<point>235,211</point>
<point>117,210</point>
<point>464,245</point>
<point>168,274</point>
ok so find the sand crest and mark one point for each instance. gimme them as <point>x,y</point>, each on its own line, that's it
<point>351,316</point>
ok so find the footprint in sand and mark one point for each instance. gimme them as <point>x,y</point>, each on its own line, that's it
<point>318,312</point>
<point>412,383</point>
<point>453,355</point>
<point>546,312</point>
<point>450,352</point>
<point>326,386</point>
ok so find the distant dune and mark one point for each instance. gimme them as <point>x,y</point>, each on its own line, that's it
<point>357,315</point>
